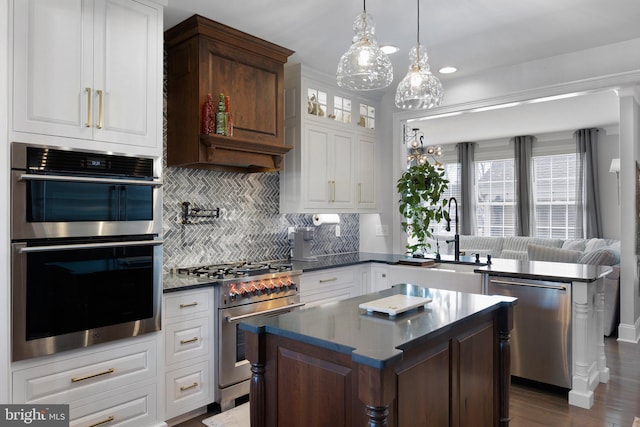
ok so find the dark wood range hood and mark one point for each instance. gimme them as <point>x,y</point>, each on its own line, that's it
<point>206,57</point>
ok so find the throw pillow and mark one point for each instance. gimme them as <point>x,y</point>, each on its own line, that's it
<point>574,245</point>
<point>602,256</point>
<point>593,244</point>
<point>546,253</point>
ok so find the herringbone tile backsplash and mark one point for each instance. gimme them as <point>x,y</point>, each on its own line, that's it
<point>250,226</point>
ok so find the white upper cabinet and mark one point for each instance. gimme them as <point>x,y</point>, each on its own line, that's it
<point>88,71</point>
<point>331,167</point>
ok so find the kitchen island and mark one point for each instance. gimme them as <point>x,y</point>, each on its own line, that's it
<point>446,363</point>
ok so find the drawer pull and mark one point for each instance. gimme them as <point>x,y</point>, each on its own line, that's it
<point>192,304</point>
<point>194,339</point>
<point>333,279</point>
<point>88,377</point>
<point>187,387</point>
<point>108,420</point>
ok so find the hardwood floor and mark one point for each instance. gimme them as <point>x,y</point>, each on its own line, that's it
<point>615,404</point>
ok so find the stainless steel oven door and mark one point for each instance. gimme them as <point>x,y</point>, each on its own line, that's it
<point>75,294</point>
<point>232,364</point>
<point>61,206</point>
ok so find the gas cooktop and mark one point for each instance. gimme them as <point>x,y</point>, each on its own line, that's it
<point>238,269</point>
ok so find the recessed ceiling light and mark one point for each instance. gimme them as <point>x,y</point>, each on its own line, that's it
<point>447,70</point>
<point>389,49</point>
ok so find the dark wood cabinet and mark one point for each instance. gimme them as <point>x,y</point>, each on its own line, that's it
<point>205,57</point>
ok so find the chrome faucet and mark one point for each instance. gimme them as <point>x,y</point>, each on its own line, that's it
<point>456,237</point>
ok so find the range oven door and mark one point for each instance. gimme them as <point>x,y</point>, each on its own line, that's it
<point>72,294</point>
<point>233,367</point>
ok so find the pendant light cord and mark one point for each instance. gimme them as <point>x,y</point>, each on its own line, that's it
<point>418,36</point>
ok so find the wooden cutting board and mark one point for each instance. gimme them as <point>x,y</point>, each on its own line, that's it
<point>395,304</point>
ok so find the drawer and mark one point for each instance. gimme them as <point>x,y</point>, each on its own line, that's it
<point>74,378</point>
<point>326,278</point>
<point>187,339</point>
<point>135,408</point>
<point>188,388</point>
<point>183,303</point>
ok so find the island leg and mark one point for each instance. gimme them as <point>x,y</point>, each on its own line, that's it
<point>602,358</point>
<point>256,345</point>
<point>376,389</point>
<point>505,325</point>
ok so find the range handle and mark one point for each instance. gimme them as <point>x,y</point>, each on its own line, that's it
<point>230,319</point>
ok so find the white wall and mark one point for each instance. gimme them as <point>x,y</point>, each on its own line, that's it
<point>5,310</point>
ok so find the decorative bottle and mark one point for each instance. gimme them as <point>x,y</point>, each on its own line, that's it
<point>227,111</point>
<point>207,116</point>
<point>221,117</point>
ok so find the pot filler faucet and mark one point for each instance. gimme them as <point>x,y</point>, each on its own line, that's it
<point>456,237</point>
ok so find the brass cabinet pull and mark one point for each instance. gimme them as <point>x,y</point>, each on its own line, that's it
<point>88,377</point>
<point>187,387</point>
<point>191,304</point>
<point>333,279</point>
<point>194,339</point>
<point>88,123</point>
<point>100,108</point>
<point>108,420</point>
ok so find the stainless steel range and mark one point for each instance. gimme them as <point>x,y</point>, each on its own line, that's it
<point>244,290</point>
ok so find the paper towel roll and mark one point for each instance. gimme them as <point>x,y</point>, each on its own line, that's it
<point>319,219</point>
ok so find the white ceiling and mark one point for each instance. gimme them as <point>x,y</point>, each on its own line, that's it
<point>473,35</point>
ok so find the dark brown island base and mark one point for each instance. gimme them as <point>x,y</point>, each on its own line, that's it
<point>444,364</point>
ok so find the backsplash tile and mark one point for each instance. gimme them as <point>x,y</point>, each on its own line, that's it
<point>250,226</point>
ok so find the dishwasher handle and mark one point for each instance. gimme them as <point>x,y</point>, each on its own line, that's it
<point>528,284</point>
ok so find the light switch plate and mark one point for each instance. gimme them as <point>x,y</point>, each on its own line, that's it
<point>337,230</point>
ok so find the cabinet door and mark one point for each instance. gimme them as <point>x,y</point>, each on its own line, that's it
<point>366,178</point>
<point>341,168</point>
<point>317,181</point>
<point>125,70</point>
<point>52,67</point>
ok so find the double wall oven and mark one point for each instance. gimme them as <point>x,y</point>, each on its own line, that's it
<point>86,256</point>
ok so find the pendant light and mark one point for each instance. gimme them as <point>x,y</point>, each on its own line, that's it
<point>364,66</point>
<point>419,89</point>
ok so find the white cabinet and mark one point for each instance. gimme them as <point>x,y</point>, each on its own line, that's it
<point>116,382</point>
<point>329,285</point>
<point>332,167</point>
<point>189,350</point>
<point>379,277</point>
<point>88,71</point>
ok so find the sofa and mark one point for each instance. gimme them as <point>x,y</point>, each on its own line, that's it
<point>580,251</point>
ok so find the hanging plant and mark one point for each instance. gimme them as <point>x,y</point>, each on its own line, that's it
<point>421,188</point>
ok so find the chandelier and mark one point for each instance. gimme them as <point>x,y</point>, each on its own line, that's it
<point>418,153</point>
<point>419,89</point>
<point>364,66</point>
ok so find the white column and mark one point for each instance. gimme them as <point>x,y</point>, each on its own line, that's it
<point>629,328</point>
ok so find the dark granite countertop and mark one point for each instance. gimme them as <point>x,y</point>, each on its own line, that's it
<point>376,339</point>
<point>542,270</point>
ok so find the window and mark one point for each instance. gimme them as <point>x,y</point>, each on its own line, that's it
<point>555,195</point>
<point>341,109</point>
<point>453,190</point>
<point>495,198</point>
<point>367,116</point>
<point>316,102</point>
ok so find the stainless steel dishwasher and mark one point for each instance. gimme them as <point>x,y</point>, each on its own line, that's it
<point>541,335</point>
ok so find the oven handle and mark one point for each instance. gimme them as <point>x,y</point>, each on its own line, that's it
<point>51,248</point>
<point>35,177</point>
<point>260,313</point>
